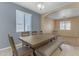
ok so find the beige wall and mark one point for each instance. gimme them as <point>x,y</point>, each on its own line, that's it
<point>73,33</point>
<point>74,28</point>
<point>47,25</point>
<point>70,36</point>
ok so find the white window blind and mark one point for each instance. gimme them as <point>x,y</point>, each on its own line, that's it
<point>23,21</point>
<point>65,25</point>
<point>28,22</point>
<point>19,21</point>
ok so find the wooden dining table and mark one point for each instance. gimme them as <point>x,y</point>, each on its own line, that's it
<point>36,41</point>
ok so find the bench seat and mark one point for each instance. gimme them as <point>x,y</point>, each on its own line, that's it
<point>49,49</point>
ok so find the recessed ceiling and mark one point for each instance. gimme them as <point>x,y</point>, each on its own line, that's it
<point>48,6</point>
<point>65,13</point>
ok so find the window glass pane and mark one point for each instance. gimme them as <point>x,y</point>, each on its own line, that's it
<point>68,25</point>
<point>62,25</point>
<point>28,22</point>
<point>23,21</point>
<point>65,25</point>
<point>19,21</point>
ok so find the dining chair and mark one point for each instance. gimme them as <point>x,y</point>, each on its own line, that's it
<point>56,35</point>
<point>22,51</point>
<point>24,33</point>
<point>41,32</point>
<point>34,32</point>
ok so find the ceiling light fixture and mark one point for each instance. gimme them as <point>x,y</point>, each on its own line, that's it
<point>40,6</point>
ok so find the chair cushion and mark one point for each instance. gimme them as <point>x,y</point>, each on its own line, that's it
<point>24,51</point>
<point>49,48</point>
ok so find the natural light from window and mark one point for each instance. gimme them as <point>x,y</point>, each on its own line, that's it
<point>65,25</point>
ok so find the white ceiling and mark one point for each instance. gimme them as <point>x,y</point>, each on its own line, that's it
<point>48,6</point>
<point>65,13</point>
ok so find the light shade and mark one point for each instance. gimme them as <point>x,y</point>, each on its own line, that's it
<point>40,6</point>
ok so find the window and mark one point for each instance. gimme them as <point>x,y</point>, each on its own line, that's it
<point>65,25</point>
<point>19,21</point>
<point>28,22</point>
<point>23,21</point>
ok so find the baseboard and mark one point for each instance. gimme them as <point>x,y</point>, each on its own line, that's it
<point>18,45</point>
<point>70,36</point>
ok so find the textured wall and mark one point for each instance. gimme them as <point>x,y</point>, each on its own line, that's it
<point>47,25</point>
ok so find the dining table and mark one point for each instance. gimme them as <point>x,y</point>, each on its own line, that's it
<point>35,41</point>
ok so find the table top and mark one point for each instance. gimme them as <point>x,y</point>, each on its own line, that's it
<point>36,39</point>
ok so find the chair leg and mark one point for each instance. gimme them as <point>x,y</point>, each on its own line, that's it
<point>32,54</point>
<point>13,55</point>
<point>60,48</point>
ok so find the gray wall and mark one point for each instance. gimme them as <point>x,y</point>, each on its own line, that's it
<point>8,21</point>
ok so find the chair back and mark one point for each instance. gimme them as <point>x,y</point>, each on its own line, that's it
<point>55,33</point>
<point>12,44</point>
<point>34,32</point>
<point>41,32</point>
<point>24,33</point>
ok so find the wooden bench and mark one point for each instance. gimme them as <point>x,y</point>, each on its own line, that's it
<point>49,49</point>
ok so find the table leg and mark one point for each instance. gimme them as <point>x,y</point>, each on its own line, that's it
<point>33,51</point>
